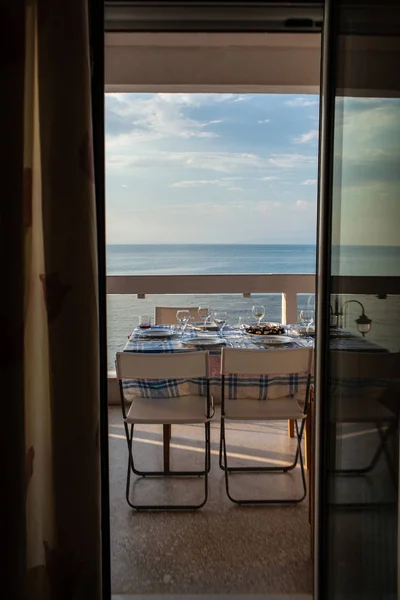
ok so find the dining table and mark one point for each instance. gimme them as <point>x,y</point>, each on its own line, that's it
<point>233,337</point>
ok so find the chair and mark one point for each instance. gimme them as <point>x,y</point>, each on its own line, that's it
<point>365,390</point>
<point>188,409</point>
<point>247,362</point>
<point>166,315</point>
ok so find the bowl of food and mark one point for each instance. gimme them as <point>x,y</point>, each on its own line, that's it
<point>264,329</point>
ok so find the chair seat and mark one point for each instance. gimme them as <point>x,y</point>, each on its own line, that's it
<point>263,410</point>
<point>361,410</point>
<point>158,411</point>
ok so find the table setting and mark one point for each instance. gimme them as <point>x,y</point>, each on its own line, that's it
<point>212,331</point>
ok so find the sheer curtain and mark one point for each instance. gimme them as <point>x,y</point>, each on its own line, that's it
<point>54,346</point>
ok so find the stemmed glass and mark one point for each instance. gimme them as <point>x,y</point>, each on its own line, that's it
<point>307,318</point>
<point>204,314</point>
<point>258,311</point>
<point>220,319</point>
<point>183,317</point>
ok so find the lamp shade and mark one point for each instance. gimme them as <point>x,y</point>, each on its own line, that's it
<point>363,324</point>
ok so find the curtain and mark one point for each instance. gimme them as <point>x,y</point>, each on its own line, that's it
<point>53,350</point>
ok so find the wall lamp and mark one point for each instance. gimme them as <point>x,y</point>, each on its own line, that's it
<point>363,321</point>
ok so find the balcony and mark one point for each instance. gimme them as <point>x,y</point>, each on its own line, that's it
<point>172,539</point>
<point>242,551</point>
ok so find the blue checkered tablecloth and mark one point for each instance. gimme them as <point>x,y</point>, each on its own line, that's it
<point>259,387</point>
<point>232,337</point>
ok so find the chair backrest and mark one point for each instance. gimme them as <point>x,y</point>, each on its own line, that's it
<point>259,362</point>
<point>166,315</point>
<point>144,365</point>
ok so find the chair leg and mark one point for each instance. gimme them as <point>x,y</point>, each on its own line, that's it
<point>170,473</point>
<point>254,469</point>
<point>382,449</point>
<point>229,470</point>
<point>169,507</point>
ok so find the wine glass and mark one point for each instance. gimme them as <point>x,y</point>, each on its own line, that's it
<point>204,314</point>
<point>183,317</point>
<point>307,318</point>
<point>220,319</point>
<point>258,311</point>
<point>242,322</point>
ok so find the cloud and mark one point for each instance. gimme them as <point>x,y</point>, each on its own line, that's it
<point>370,148</point>
<point>290,160</point>
<point>242,98</point>
<point>301,205</point>
<point>309,182</point>
<point>301,101</point>
<point>223,182</point>
<point>124,185</point>
<point>269,178</point>
<point>265,206</point>
<point>307,137</point>
<point>264,121</point>
<point>134,117</point>
<point>228,162</point>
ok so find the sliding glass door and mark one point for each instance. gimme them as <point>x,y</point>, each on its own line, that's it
<point>357,354</point>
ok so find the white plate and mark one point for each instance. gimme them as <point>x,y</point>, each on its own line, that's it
<point>271,340</point>
<point>203,341</point>
<point>155,333</point>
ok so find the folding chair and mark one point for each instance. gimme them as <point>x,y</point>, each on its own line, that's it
<point>290,362</point>
<point>363,385</point>
<point>166,315</point>
<point>179,409</point>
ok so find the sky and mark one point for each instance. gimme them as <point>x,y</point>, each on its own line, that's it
<point>366,198</point>
<point>211,168</point>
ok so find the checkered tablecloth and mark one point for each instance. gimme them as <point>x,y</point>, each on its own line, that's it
<point>260,387</point>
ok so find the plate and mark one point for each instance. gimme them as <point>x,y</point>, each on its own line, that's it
<point>155,333</point>
<point>209,327</point>
<point>203,341</point>
<point>271,340</point>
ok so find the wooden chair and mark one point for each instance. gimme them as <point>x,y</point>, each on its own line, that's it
<point>166,315</point>
<point>187,409</point>
<point>237,361</point>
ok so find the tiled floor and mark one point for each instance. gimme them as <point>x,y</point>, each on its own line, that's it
<point>221,549</point>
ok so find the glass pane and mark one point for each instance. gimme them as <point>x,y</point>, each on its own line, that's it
<point>361,417</point>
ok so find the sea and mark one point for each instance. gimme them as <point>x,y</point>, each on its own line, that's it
<point>123,310</point>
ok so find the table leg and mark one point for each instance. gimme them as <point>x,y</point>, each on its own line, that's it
<point>290,424</point>
<point>166,440</point>
<point>307,441</point>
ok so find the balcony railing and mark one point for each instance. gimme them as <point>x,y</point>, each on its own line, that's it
<point>289,285</point>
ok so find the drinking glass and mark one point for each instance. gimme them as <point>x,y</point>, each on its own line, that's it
<point>242,322</point>
<point>258,312</point>
<point>183,317</point>
<point>204,314</point>
<point>220,319</point>
<point>144,322</point>
<point>307,318</point>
